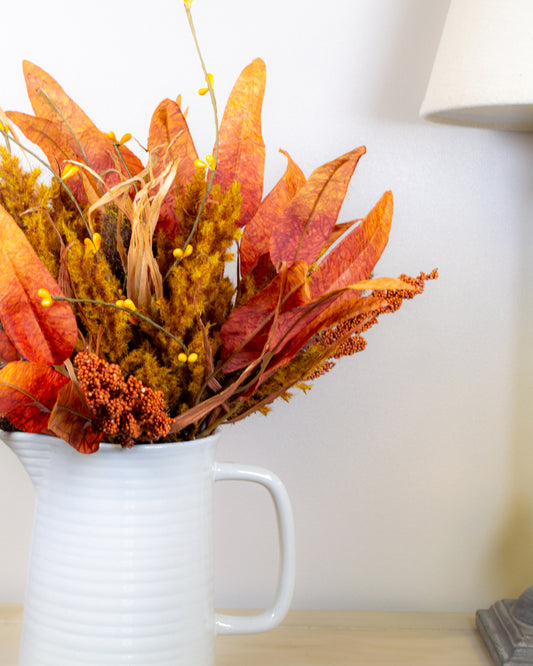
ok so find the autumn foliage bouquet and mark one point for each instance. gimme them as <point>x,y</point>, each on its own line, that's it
<point>118,318</point>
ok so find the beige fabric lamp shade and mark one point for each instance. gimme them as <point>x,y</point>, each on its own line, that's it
<point>483,70</point>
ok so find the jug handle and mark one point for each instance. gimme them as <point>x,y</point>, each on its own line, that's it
<point>268,619</point>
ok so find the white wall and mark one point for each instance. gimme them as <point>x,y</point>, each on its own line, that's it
<point>407,465</point>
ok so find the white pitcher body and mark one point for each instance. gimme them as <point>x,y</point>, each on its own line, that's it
<point>121,568</point>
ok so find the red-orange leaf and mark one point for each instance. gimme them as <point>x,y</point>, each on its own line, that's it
<point>242,150</point>
<point>8,353</point>
<point>28,392</point>
<point>170,140</point>
<point>297,327</point>
<point>42,88</point>
<point>64,131</point>
<point>256,237</point>
<point>310,217</point>
<point>71,421</point>
<point>354,258</point>
<point>56,144</point>
<point>246,330</point>
<point>42,335</point>
<point>102,157</point>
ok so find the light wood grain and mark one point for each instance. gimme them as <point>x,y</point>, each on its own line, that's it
<point>329,638</point>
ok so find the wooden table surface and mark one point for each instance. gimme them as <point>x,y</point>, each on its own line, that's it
<point>329,638</point>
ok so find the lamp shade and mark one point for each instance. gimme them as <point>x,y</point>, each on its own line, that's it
<point>483,70</point>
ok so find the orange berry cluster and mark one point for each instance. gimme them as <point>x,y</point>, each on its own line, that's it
<point>124,409</point>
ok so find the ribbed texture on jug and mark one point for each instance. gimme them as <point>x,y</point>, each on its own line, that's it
<point>121,564</point>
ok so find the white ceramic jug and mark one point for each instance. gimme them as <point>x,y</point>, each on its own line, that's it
<point>121,567</point>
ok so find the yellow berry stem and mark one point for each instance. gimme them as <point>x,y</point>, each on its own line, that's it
<point>123,308</point>
<point>209,79</point>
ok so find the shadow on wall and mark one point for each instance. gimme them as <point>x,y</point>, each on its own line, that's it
<point>512,562</point>
<point>409,59</point>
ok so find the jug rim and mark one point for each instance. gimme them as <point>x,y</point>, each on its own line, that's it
<point>108,446</point>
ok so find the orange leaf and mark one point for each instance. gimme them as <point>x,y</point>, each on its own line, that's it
<point>354,258</point>
<point>169,140</point>
<point>63,131</point>
<point>241,148</point>
<point>310,217</point>
<point>42,88</point>
<point>256,237</point>
<point>42,335</point>
<point>57,145</point>
<point>28,392</point>
<point>71,421</point>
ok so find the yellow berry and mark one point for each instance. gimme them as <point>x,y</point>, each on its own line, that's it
<point>200,164</point>
<point>182,358</point>
<point>209,78</point>
<point>192,357</point>
<point>94,243</point>
<point>188,251</point>
<point>43,293</point>
<point>112,136</point>
<point>46,302</point>
<point>129,304</point>
<point>178,253</point>
<point>125,138</point>
<point>119,303</point>
<point>69,171</point>
<point>211,163</point>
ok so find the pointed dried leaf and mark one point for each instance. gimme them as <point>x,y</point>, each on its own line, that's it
<point>246,330</point>
<point>28,392</point>
<point>71,421</point>
<point>57,145</point>
<point>8,353</point>
<point>354,258</point>
<point>41,86</point>
<point>42,335</point>
<point>338,231</point>
<point>310,217</point>
<point>102,157</point>
<point>169,141</point>
<point>256,237</point>
<point>297,328</point>
<point>242,150</point>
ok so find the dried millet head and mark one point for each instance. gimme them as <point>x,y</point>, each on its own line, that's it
<point>125,409</point>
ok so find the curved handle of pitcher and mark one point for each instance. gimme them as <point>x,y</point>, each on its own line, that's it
<point>268,619</point>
